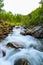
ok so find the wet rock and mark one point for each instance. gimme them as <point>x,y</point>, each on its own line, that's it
<point>38,34</point>
<point>34,31</point>
<point>14,45</point>
<point>21,62</point>
<point>4,53</point>
<point>23,33</point>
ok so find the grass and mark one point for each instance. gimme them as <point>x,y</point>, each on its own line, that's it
<point>14,23</point>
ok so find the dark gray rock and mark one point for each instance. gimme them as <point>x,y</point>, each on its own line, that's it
<point>21,62</point>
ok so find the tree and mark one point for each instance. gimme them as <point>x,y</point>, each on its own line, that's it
<point>1,4</point>
<point>18,18</point>
<point>41,2</point>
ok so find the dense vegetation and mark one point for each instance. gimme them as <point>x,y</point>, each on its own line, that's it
<point>34,18</point>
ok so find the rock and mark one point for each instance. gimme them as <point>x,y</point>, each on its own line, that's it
<point>34,31</point>
<point>2,22</point>
<point>14,45</point>
<point>38,34</point>
<point>23,33</point>
<point>5,29</point>
<point>21,62</point>
<point>3,53</point>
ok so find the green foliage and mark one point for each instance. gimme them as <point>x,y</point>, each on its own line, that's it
<point>34,18</point>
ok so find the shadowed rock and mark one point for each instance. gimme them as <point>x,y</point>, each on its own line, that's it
<point>21,62</point>
<point>4,53</point>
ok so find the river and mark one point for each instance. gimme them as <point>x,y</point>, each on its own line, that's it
<point>32,51</point>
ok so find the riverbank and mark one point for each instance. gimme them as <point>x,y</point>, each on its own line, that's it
<point>36,31</point>
<point>5,29</point>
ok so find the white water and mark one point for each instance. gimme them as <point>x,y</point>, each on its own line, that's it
<point>31,51</point>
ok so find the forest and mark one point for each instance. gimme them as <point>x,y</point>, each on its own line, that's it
<point>33,18</point>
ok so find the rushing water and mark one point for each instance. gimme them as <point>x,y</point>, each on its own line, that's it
<point>32,51</point>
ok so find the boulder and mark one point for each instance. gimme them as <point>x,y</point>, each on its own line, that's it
<point>38,33</point>
<point>21,62</point>
<point>34,31</point>
<point>14,45</point>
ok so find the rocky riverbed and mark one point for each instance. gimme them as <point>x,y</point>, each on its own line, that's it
<point>18,48</point>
